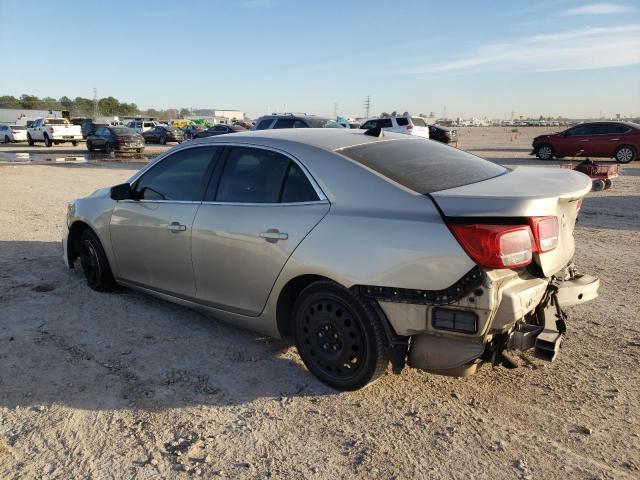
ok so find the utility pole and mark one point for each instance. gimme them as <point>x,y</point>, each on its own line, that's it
<point>335,109</point>
<point>95,103</point>
<point>444,113</point>
<point>367,106</point>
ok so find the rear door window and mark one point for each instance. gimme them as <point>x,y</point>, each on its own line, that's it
<point>284,123</point>
<point>421,165</point>
<point>252,175</point>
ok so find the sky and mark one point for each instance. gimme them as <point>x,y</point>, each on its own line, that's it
<point>465,58</point>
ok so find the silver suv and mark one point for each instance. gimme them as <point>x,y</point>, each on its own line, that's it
<point>294,121</point>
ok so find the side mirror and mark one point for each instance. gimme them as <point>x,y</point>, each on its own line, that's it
<point>122,192</point>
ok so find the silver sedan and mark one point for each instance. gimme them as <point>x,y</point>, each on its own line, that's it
<point>366,248</point>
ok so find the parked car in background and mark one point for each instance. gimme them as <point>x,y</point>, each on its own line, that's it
<point>618,140</point>
<point>190,131</point>
<point>408,125</point>
<point>267,122</point>
<point>220,130</point>
<point>442,134</point>
<point>89,127</point>
<point>53,130</point>
<point>449,263</point>
<point>242,123</point>
<point>13,133</point>
<point>141,126</point>
<point>163,134</point>
<point>115,139</point>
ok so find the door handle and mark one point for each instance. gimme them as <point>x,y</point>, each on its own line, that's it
<point>273,235</point>
<point>176,227</point>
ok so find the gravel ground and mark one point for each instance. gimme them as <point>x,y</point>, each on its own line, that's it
<point>128,386</point>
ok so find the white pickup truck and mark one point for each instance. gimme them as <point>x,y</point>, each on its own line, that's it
<point>53,130</point>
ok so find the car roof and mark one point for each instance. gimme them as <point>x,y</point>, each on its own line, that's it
<point>330,139</point>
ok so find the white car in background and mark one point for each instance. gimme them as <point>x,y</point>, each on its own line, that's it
<point>13,133</point>
<point>53,131</point>
<point>409,125</point>
<point>142,125</point>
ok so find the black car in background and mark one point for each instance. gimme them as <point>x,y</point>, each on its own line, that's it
<point>190,131</point>
<point>294,121</point>
<point>115,139</point>
<point>442,134</point>
<point>220,130</point>
<point>89,127</point>
<point>163,134</point>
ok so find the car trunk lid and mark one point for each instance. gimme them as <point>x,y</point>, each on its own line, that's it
<point>521,194</point>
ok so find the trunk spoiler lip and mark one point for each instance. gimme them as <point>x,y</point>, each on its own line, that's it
<point>523,192</point>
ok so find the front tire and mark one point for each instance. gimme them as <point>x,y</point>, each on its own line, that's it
<point>90,146</point>
<point>544,152</point>
<point>95,264</point>
<point>625,154</point>
<point>163,140</point>
<point>340,338</point>
<point>30,140</point>
<point>6,139</point>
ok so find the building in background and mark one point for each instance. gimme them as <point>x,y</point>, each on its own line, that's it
<point>21,116</point>
<point>212,112</point>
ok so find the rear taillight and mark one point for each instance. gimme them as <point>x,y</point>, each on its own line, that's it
<point>545,231</point>
<point>496,246</point>
<point>409,127</point>
<point>121,139</point>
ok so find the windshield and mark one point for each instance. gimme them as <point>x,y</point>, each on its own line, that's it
<point>418,122</point>
<point>56,121</point>
<point>422,165</point>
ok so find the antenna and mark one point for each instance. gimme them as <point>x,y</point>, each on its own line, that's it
<point>367,106</point>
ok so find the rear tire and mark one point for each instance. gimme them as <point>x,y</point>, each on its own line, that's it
<point>90,146</point>
<point>598,185</point>
<point>108,149</point>
<point>544,152</point>
<point>163,140</point>
<point>47,141</point>
<point>340,338</point>
<point>95,264</point>
<point>607,184</point>
<point>625,154</point>
<point>74,143</point>
<point>6,139</point>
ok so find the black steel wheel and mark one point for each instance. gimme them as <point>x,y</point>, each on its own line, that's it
<point>29,140</point>
<point>340,338</point>
<point>95,264</point>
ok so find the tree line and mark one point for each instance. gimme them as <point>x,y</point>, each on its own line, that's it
<point>85,107</point>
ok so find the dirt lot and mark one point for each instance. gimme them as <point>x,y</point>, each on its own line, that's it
<point>128,386</point>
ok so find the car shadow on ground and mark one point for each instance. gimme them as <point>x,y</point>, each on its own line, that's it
<point>61,342</point>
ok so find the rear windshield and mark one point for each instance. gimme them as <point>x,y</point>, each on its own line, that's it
<point>123,131</point>
<point>18,127</point>
<point>56,121</point>
<point>422,165</point>
<point>418,122</point>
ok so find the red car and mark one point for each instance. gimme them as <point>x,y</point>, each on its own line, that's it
<point>619,140</point>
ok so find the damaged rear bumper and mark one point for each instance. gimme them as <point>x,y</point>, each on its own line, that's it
<point>516,312</point>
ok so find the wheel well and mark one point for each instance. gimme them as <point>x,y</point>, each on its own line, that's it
<point>288,297</point>
<point>73,240</point>
<point>627,145</point>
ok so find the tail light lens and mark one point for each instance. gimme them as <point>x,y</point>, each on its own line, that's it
<point>409,127</point>
<point>496,246</point>
<point>546,231</point>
